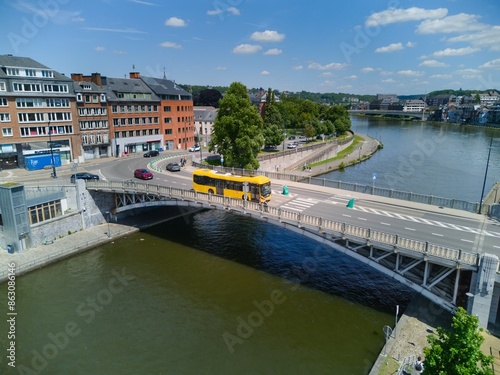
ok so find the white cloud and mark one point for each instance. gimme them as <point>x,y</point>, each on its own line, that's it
<point>328,83</point>
<point>267,36</point>
<point>393,15</point>
<point>455,52</point>
<point>234,11</point>
<point>353,77</point>
<point>452,24</point>
<point>214,12</point>
<point>78,19</point>
<point>221,68</point>
<point>327,74</point>
<point>298,67</point>
<point>246,49</point>
<point>493,64</point>
<point>388,80</point>
<point>411,44</point>
<point>486,38</point>
<point>433,64</point>
<point>273,51</point>
<point>170,45</point>
<point>175,22</point>
<point>390,48</point>
<point>331,66</point>
<point>127,31</point>
<point>441,76</point>
<point>99,48</point>
<point>265,73</point>
<point>142,2</point>
<point>367,70</point>
<point>410,73</point>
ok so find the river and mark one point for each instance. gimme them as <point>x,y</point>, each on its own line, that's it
<point>215,293</point>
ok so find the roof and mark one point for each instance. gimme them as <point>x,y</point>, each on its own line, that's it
<point>165,87</point>
<point>205,114</point>
<point>10,61</point>
<point>127,85</point>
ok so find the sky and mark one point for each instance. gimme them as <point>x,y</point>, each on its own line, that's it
<point>357,47</point>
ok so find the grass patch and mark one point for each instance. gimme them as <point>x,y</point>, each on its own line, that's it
<point>349,150</point>
<point>389,367</point>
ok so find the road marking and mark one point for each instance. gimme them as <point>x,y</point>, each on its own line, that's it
<point>466,240</point>
<point>346,215</point>
<point>437,234</point>
<point>384,223</point>
<point>362,218</point>
<point>409,228</point>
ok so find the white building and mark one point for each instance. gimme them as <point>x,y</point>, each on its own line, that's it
<point>414,105</point>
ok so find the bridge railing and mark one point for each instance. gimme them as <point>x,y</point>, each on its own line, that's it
<point>360,188</point>
<point>337,229</point>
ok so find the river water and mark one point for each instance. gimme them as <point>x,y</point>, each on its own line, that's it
<point>445,160</point>
<point>215,293</point>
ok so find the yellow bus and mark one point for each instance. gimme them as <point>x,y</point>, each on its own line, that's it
<point>258,188</point>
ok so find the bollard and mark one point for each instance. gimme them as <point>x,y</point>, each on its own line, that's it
<point>285,190</point>
<point>350,204</point>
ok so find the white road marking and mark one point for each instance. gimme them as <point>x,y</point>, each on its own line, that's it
<point>466,240</point>
<point>384,223</point>
<point>413,229</point>
<point>437,234</point>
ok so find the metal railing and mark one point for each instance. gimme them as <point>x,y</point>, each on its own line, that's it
<point>337,229</point>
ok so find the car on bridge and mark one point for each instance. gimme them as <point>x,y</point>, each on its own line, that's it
<point>143,174</point>
<point>83,176</point>
<point>173,167</point>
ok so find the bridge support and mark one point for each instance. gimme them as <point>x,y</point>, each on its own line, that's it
<point>482,285</point>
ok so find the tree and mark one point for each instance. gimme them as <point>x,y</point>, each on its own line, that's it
<point>209,97</point>
<point>237,129</point>
<point>457,351</point>
<point>273,122</point>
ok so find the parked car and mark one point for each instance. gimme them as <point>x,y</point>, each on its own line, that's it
<point>151,153</point>
<point>291,138</point>
<point>194,148</point>
<point>291,145</point>
<point>83,176</point>
<point>173,167</point>
<point>143,174</point>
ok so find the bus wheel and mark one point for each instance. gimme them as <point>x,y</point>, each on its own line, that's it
<point>210,191</point>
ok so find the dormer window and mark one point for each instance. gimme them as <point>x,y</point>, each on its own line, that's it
<point>79,97</point>
<point>103,98</point>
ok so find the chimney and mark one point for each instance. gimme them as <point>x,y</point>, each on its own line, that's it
<point>78,77</point>
<point>135,75</point>
<point>96,78</point>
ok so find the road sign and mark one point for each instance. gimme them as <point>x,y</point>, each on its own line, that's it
<point>374,176</point>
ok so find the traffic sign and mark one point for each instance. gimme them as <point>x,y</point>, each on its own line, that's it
<point>374,176</point>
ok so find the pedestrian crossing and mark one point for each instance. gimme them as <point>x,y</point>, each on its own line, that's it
<point>299,204</point>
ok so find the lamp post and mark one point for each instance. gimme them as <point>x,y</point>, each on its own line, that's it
<point>54,175</point>
<point>485,175</point>
<point>107,219</point>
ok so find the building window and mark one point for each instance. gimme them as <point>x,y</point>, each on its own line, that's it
<point>4,117</point>
<point>114,109</point>
<point>12,71</point>
<point>3,102</point>
<point>124,134</point>
<point>47,73</point>
<point>7,132</point>
<point>167,120</point>
<point>131,133</point>
<point>44,211</point>
<point>26,87</point>
<point>2,86</point>
<point>30,72</point>
<point>168,131</point>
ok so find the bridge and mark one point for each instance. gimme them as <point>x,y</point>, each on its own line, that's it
<point>442,274</point>
<point>389,113</point>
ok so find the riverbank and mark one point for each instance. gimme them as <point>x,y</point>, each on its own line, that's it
<point>421,319</point>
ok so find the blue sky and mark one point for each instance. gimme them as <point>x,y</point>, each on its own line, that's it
<point>354,46</point>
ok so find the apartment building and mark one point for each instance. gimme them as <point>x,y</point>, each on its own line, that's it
<point>414,105</point>
<point>37,112</point>
<point>204,118</point>
<point>93,116</point>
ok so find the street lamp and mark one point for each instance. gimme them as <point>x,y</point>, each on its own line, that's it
<point>54,175</point>
<point>485,175</point>
<point>107,219</point>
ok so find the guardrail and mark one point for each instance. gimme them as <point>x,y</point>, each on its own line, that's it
<point>337,229</point>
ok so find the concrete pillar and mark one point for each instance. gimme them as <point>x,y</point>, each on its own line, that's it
<point>482,289</point>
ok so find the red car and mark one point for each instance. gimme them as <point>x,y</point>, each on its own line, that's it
<point>143,174</point>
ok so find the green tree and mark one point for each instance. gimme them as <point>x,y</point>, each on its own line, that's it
<point>237,129</point>
<point>273,124</point>
<point>457,351</point>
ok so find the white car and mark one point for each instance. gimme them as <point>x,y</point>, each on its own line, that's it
<point>291,145</point>
<point>194,148</point>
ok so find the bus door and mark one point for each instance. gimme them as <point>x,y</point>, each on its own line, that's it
<point>254,192</point>
<point>219,187</point>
